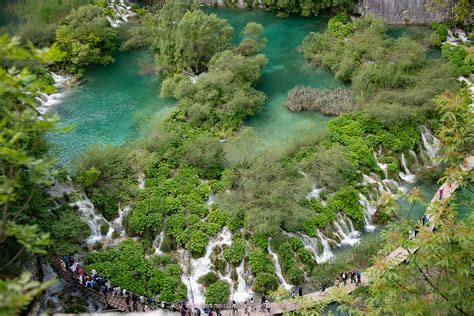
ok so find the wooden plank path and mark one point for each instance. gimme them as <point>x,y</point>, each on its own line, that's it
<point>115,302</point>
<point>397,256</point>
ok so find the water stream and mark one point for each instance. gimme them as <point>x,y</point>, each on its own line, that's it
<point>278,270</point>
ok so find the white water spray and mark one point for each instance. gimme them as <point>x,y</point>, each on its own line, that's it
<point>278,271</point>
<point>122,12</point>
<point>406,176</point>
<point>45,102</point>
<point>431,144</point>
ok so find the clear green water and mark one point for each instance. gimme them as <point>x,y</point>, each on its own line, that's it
<point>116,101</point>
<point>113,105</point>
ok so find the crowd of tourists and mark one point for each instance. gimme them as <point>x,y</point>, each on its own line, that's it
<point>101,285</point>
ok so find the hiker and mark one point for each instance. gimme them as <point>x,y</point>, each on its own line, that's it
<point>262,303</point>
<point>198,312</point>
<point>344,277</point>
<point>267,306</point>
<point>359,277</point>
<point>66,259</point>
<point>416,229</point>
<point>145,308</point>
<point>353,277</point>
<point>300,291</point>
<point>441,193</point>
<point>73,267</point>
<point>234,306</point>
<point>252,304</point>
<point>246,308</point>
<point>206,310</point>
<point>336,283</point>
<point>424,219</point>
<point>63,265</point>
<point>293,293</point>
<point>127,301</point>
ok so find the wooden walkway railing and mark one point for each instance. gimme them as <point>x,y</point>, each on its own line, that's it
<point>110,300</point>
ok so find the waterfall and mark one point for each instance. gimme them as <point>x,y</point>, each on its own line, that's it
<point>347,236</point>
<point>243,291</point>
<point>141,183</point>
<point>303,173</point>
<point>51,294</point>
<point>278,271</point>
<point>159,240</point>
<point>310,244</point>
<point>193,269</point>
<point>415,157</point>
<point>210,200</point>
<point>89,215</point>
<point>406,176</point>
<point>315,194</point>
<point>369,211</point>
<point>382,166</point>
<point>46,101</point>
<point>431,144</point>
<point>122,12</point>
<point>117,223</point>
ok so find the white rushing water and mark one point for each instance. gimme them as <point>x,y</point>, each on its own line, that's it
<point>45,102</point>
<point>431,145</point>
<point>278,270</point>
<point>369,211</point>
<point>346,232</point>
<point>406,174</point>
<point>316,194</point>
<point>243,291</point>
<point>210,199</point>
<point>122,12</point>
<point>310,243</point>
<point>193,269</point>
<point>141,183</point>
<point>89,215</point>
<point>159,240</point>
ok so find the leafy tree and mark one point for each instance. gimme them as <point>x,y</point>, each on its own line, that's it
<point>205,154</point>
<point>252,41</point>
<point>87,37</point>
<point>21,130</point>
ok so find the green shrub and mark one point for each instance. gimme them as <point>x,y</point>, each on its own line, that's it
<point>236,252</point>
<point>217,293</point>
<point>295,276</point>
<point>258,260</point>
<point>207,279</point>
<point>265,283</point>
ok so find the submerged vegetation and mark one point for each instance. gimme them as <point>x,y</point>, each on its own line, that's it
<point>268,220</point>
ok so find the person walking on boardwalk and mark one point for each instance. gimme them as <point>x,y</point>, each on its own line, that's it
<point>344,277</point>
<point>353,277</point>
<point>441,191</point>
<point>300,291</point>
<point>359,278</point>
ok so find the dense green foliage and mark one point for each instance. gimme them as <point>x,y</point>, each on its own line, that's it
<point>37,20</point>
<point>392,79</point>
<point>24,167</point>
<point>87,37</point>
<point>460,57</point>
<point>126,266</point>
<point>308,7</point>
<point>217,293</point>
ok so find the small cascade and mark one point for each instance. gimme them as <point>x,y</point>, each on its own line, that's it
<point>89,215</point>
<point>369,211</point>
<point>382,166</point>
<point>141,183</point>
<point>315,194</point>
<point>414,156</point>
<point>122,12</point>
<point>46,101</point>
<point>51,294</point>
<point>210,200</point>
<point>278,271</point>
<point>158,241</point>
<point>310,243</point>
<point>117,223</point>
<point>406,176</point>
<point>243,291</point>
<point>193,269</point>
<point>303,173</point>
<point>345,232</point>
<point>431,145</point>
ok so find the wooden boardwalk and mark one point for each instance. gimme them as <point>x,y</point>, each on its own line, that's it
<point>111,301</point>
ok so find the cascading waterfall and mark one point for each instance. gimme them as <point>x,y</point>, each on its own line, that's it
<point>431,144</point>
<point>193,269</point>
<point>122,12</point>
<point>369,211</point>
<point>310,243</point>
<point>243,291</point>
<point>347,234</point>
<point>46,101</point>
<point>406,176</point>
<point>315,194</point>
<point>88,214</point>
<point>51,294</point>
<point>159,240</point>
<point>210,200</point>
<point>382,166</point>
<point>278,270</point>
<point>141,183</point>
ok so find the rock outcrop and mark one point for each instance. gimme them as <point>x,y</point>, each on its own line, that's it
<point>406,11</point>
